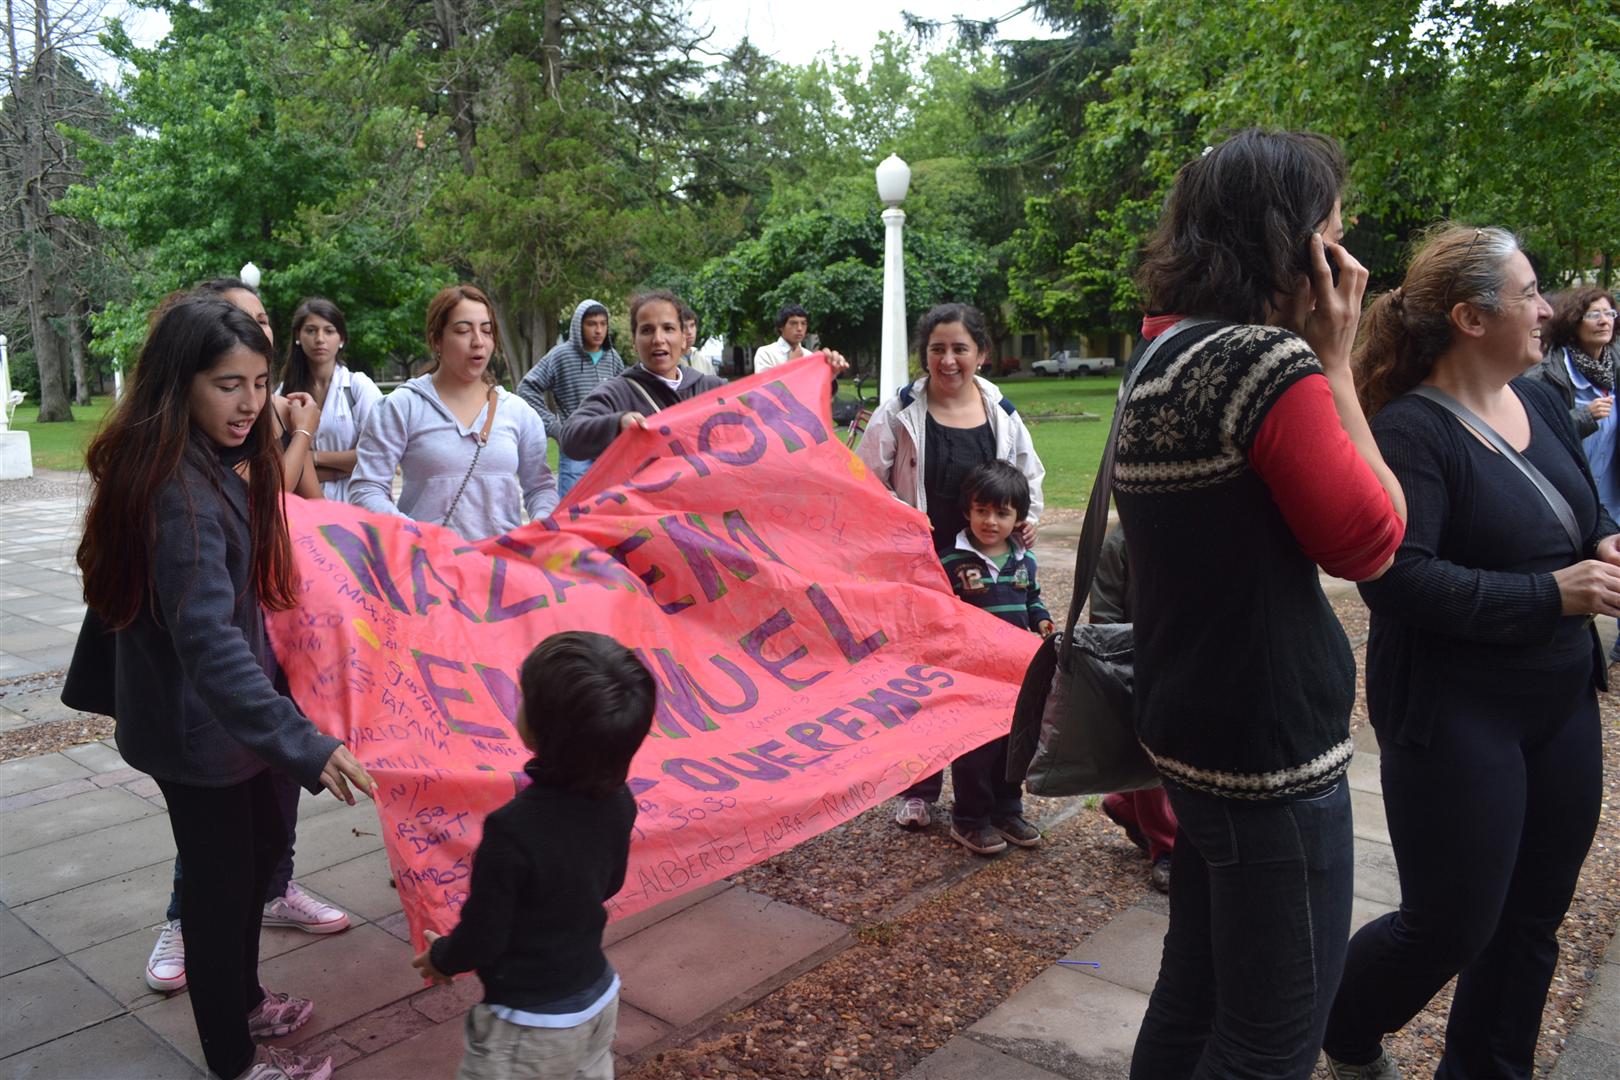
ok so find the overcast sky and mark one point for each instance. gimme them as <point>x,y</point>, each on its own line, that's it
<point>790,30</point>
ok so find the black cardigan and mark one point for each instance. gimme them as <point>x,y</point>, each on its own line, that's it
<point>191,682</point>
<point>532,923</point>
<point>1435,617</point>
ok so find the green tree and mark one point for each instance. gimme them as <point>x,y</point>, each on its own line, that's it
<point>246,144</point>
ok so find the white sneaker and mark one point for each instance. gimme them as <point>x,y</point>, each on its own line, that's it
<point>298,908</point>
<point>166,967</point>
<point>913,814</point>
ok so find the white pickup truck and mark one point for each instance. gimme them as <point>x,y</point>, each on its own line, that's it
<point>1067,363</point>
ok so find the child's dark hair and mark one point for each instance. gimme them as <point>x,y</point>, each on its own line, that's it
<point>588,703</point>
<point>791,311</point>
<point>996,483</point>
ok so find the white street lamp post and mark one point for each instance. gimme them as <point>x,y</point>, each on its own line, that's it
<point>893,178</point>
<point>16,450</point>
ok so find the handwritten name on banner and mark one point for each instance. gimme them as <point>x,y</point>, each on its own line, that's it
<point>810,658</point>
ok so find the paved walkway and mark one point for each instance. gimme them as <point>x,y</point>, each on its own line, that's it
<point>85,857</point>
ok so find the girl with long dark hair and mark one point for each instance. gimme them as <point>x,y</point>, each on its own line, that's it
<point>346,398</point>
<point>179,551</point>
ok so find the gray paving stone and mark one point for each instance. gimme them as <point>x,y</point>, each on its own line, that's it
<point>103,910</point>
<point>441,1003</point>
<point>44,706</point>
<point>396,924</point>
<point>48,822</point>
<point>358,886</point>
<point>79,785</point>
<point>42,770</point>
<point>637,1030</point>
<point>12,665</point>
<point>38,638</point>
<point>435,1054</point>
<point>119,966</point>
<point>12,721</point>
<point>46,1002</point>
<point>20,947</point>
<point>119,1049</point>
<point>1600,1019</point>
<point>1128,949</point>
<point>329,839</point>
<point>719,950</point>
<point>347,975</point>
<point>1367,812</point>
<point>118,777</point>
<point>381,1028</point>
<point>1069,1023</point>
<point>620,929</point>
<point>964,1059</point>
<point>79,860</point>
<point>1376,877</point>
<point>1364,911</point>
<point>97,757</point>
<point>1586,1059</point>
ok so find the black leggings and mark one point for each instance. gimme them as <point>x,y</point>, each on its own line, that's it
<point>230,839</point>
<point>1490,823</point>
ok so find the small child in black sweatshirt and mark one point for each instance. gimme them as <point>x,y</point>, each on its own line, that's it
<point>532,923</point>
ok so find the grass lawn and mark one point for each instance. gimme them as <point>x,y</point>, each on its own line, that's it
<point>61,446</point>
<point>1070,449</point>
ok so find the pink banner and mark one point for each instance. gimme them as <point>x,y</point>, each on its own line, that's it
<point>810,658</point>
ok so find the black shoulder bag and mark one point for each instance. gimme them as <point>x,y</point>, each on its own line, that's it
<point>1074,727</point>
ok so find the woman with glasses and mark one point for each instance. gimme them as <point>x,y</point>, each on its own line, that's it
<point>1580,363</point>
<point>1481,662</point>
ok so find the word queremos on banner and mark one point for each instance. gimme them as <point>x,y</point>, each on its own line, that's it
<point>810,658</point>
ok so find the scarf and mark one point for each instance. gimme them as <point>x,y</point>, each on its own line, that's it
<point>1599,370</point>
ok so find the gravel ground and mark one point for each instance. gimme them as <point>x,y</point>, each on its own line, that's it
<point>943,937</point>
<point>44,484</point>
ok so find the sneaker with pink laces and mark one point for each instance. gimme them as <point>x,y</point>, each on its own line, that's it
<point>298,908</point>
<point>278,1015</point>
<point>273,1063</point>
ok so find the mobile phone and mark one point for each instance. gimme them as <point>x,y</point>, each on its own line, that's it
<point>1333,263</point>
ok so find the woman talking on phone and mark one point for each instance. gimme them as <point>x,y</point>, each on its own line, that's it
<point>1244,465</point>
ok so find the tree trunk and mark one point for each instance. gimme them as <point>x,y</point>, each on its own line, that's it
<point>525,333</point>
<point>29,97</point>
<point>551,46</point>
<point>75,343</point>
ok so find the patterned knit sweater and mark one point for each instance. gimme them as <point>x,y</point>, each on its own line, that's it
<point>1244,677</point>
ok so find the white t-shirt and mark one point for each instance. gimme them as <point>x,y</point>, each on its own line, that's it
<point>349,401</point>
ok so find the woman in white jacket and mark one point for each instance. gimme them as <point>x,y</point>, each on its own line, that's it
<point>921,443</point>
<point>926,438</point>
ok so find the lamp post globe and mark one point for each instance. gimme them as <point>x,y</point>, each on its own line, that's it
<point>893,180</point>
<point>249,275</point>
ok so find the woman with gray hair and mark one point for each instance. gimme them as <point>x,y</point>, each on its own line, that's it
<point>1481,663</point>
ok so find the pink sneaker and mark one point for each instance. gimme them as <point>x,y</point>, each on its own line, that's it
<point>273,1063</point>
<point>278,1015</point>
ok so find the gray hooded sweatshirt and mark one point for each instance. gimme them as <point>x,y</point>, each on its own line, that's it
<point>414,431</point>
<point>569,373</point>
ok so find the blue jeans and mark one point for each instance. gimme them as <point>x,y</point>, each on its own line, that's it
<point>569,471</point>
<point>287,792</point>
<point>1260,896</point>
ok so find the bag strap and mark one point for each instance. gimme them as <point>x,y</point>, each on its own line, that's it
<point>1095,528</point>
<point>1555,498</point>
<point>648,398</point>
<point>483,439</point>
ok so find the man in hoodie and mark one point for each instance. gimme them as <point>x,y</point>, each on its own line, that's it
<point>569,373</point>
